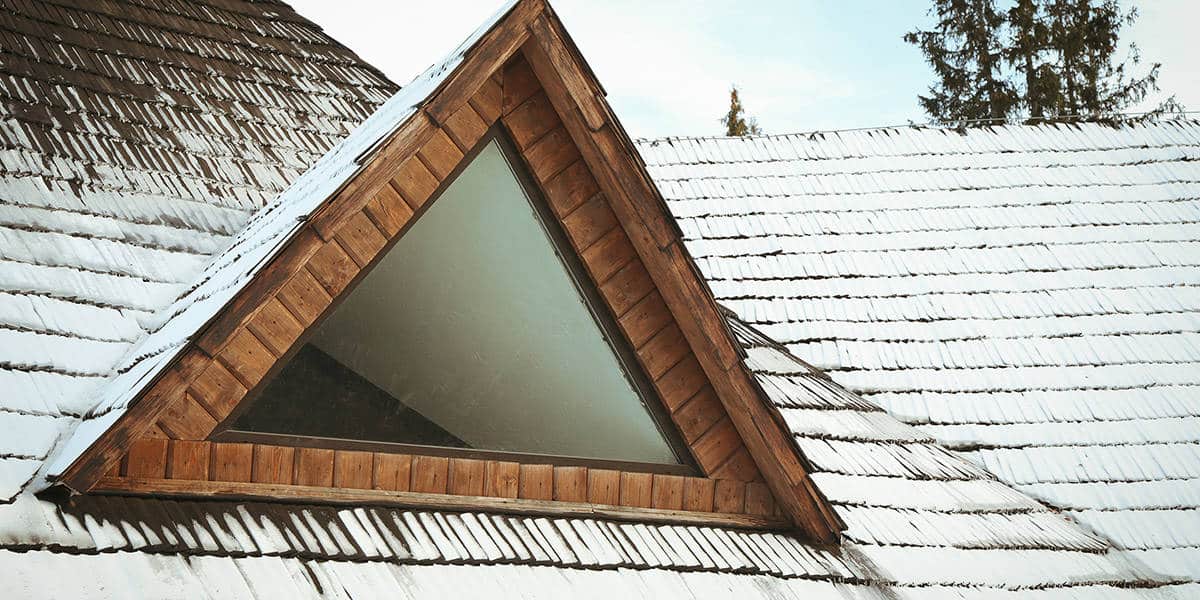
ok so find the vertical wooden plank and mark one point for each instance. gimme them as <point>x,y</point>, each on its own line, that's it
<point>360,238</point>
<point>314,466</point>
<point>414,182</point>
<point>637,489</point>
<point>304,297</point>
<point>352,469</point>
<point>570,484</point>
<point>186,419</point>
<point>698,494</point>
<point>467,476</point>
<point>502,479</point>
<point>147,458</point>
<point>393,471</point>
<point>232,462</point>
<point>758,499</point>
<point>332,267</point>
<point>604,486</point>
<point>189,460</point>
<point>667,492</point>
<point>273,464</point>
<point>537,482</point>
<point>275,326</point>
<point>730,496</point>
<point>429,474</point>
<point>440,155</point>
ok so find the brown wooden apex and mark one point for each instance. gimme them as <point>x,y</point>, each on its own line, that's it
<point>525,77</point>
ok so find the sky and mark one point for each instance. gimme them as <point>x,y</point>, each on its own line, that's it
<point>801,65</point>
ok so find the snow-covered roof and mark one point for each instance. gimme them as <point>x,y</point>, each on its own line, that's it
<point>156,154</point>
<point>1027,295</point>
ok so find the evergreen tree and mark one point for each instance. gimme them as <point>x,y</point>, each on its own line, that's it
<point>1037,59</point>
<point>736,124</point>
<point>1082,41</point>
<point>965,50</point>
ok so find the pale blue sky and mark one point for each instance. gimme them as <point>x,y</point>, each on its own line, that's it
<point>802,65</point>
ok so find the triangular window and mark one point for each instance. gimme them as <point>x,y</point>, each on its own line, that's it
<point>478,332</point>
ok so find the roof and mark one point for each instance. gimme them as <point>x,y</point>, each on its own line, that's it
<point>1027,295</point>
<point>923,521</point>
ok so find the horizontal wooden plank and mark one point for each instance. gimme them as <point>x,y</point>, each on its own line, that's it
<point>465,128</point>
<point>360,238</point>
<point>336,496</point>
<point>217,389</point>
<point>332,267</point>
<point>304,297</point>
<point>415,182</point>
<point>187,419</point>
<point>247,358</point>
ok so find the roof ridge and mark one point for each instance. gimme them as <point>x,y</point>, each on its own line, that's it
<point>931,126</point>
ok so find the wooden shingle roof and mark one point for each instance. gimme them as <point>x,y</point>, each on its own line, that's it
<point>156,154</point>
<point>1026,295</point>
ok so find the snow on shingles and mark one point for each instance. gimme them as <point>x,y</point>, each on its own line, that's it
<point>262,238</point>
<point>135,142</point>
<point>1030,295</point>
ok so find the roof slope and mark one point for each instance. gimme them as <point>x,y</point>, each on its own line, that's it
<point>136,138</point>
<point>1027,295</point>
<point>924,523</point>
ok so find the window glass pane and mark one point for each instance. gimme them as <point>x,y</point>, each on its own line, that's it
<point>470,333</point>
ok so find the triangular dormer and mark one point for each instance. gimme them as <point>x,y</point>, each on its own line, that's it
<point>521,114</point>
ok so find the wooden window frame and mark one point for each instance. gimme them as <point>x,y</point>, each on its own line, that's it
<point>596,306</point>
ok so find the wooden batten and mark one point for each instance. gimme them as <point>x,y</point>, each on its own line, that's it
<point>527,80</point>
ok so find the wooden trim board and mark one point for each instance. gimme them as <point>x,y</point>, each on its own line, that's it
<point>594,183</point>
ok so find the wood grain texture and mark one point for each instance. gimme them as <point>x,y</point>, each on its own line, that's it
<point>232,462</point>
<point>147,458</point>
<point>218,389</point>
<point>388,211</point>
<point>570,484</point>
<point>304,297</point>
<point>415,182</point>
<point>353,469</point>
<point>604,486</point>
<point>332,267</point>
<point>637,489</point>
<point>314,466</point>
<point>440,155</point>
<point>393,471</point>
<point>187,419</point>
<point>467,476</point>
<point>430,474</point>
<point>352,497</point>
<point>465,128</point>
<point>537,482</point>
<point>502,479</point>
<point>360,238</point>
<point>273,464</point>
<point>189,459</point>
<point>275,326</point>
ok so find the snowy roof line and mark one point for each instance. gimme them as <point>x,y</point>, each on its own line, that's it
<point>1027,295</point>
